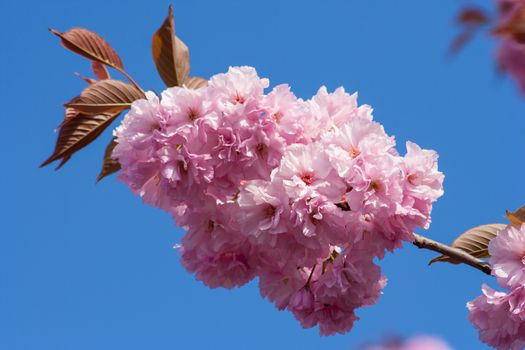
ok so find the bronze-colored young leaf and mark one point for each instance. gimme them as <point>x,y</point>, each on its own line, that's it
<point>100,70</point>
<point>517,217</point>
<point>170,54</point>
<point>90,45</point>
<point>106,96</point>
<point>86,79</point>
<point>63,161</point>
<point>110,165</point>
<point>77,133</point>
<point>195,83</point>
<point>474,241</point>
<point>460,41</point>
<point>472,16</point>
<point>69,113</point>
<point>470,19</point>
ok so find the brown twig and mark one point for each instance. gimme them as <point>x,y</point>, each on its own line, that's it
<point>457,254</point>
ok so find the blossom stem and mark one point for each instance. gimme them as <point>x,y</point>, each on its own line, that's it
<point>310,276</point>
<point>457,254</point>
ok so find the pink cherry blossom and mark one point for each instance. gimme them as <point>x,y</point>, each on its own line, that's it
<point>507,251</point>
<point>330,110</point>
<point>302,194</point>
<point>184,105</point>
<point>306,171</point>
<point>237,89</point>
<point>356,139</point>
<point>288,112</point>
<point>264,208</point>
<point>219,256</point>
<point>423,180</point>
<point>279,286</point>
<point>349,282</point>
<point>500,318</point>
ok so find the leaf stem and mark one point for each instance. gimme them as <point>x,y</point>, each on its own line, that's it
<point>457,254</point>
<point>130,79</point>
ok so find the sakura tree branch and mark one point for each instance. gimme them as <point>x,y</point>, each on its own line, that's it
<point>457,254</point>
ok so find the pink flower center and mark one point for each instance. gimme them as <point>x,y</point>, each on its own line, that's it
<point>211,225</point>
<point>354,152</point>
<point>374,185</point>
<point>523,259</point>
<point>412,178</point>
<point>313,219</point>
<point>308,178</point>
<point>238,98</point>
<point>182,167</point>
<point>261,150</point>
<point>269,211</point>
<point>192,113</point>
<point>277,116</point>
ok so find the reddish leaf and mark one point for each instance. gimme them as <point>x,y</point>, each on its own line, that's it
<point>86,79</point>
<point>78,133</point>
<point>99,70</point>
<point>90,45</point>
<point>461,41</point>
<point>110,164</point>
<point>517,217</point>
<point>472,16</point>
<point>195,83</point>
<point>471,19</point>
<point>69,113</point>
<point>106,96</point>
<point>62,162</point>
<point>170,54</point>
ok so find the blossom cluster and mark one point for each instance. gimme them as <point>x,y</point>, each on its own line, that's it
<point>500,316</point>
<point>303,194</point>
<point>511,51</point>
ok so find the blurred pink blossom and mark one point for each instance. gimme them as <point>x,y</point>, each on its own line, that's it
<point>414,343</point>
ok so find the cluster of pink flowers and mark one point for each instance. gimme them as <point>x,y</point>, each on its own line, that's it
<point>302,194</point>
<point>415,343</point>
<point>511,52</point>
<point>500,316</point>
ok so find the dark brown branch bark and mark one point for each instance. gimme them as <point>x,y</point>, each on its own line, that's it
<point>457,254</point>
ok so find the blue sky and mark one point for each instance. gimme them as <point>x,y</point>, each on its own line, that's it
<point>85,266</point>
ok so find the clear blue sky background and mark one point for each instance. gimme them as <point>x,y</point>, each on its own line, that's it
<point>85,266</point>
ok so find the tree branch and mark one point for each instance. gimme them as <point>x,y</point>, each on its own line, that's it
<point>457,254</point>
